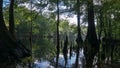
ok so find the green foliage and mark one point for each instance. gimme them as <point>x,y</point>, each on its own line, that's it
<point>64,26</point>
<point>44,26</point>
<point>41,28</point>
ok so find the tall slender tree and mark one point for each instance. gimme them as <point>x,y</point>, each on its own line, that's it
<point>58,45</point>
<point>79,38</point>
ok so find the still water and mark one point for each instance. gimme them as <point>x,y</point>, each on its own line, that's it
<point>61,62</point>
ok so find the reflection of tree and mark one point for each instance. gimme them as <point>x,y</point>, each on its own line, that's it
<point>65,50</point>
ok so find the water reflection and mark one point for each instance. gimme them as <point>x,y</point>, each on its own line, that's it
<point>61,61</point>
<point>42,64</point>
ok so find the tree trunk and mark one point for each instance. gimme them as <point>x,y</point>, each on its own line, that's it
<point>10,50</point>
<point>79,38</point>
<point>58,45</point>
<point>5,36</point>
<point>5,41</point>
<point>93,46</point>
<point>11,19</point>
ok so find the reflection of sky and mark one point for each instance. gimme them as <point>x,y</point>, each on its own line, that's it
<point>5,2</point>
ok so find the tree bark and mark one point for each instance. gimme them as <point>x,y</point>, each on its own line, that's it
<point>5,40</point>
<point>92,47</point>
<point>79,38</point>
<point>58,45</point>
<point>10,50</point>
<point>11,19</point>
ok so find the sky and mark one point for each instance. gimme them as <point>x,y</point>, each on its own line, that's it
<point>72,20</point>
<point>5,2</point>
